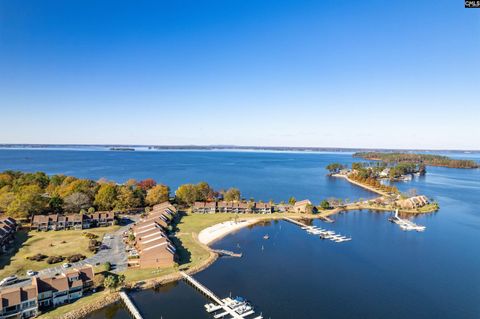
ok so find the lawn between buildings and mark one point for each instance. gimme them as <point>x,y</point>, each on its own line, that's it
<point>59,243</point>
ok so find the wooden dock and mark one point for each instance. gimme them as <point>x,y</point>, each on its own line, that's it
<point>130,306</point>
<point>293,221</point>
<point>207,292</point>
<point>223,252</point>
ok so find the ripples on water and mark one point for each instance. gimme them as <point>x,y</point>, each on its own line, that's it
<point>383,273</point>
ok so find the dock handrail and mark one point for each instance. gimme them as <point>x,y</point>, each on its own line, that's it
<point>130,306</point>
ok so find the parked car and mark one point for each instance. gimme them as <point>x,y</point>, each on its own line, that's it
<point>31,273</point>
<point>8,281</point>
<point>66,265</point>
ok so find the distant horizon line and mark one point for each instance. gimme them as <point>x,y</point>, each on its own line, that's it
<point>227,146</point>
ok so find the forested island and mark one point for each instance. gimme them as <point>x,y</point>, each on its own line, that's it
<point>425,159</point>
<point>121,149</point>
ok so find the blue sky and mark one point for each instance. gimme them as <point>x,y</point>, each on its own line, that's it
<point>402,74</point>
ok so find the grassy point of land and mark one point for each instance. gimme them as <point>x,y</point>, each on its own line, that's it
<point>62,242</point>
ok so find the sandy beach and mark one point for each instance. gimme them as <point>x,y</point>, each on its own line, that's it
<point>218,231</point>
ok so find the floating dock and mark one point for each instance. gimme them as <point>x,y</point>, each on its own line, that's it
<point>230,308</point>
<point>406,224</point>
<point>223,252</point>
<point>323,233</point>
<point>130,306</point>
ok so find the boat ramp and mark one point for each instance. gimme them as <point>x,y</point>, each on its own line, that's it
<point>228,308</point>
<point>322,233</point>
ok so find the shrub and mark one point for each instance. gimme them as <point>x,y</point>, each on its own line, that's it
<point>37,257</point>
<point>107,266</point>
<point>54,259</point>
<point>325,204</point>
<point>90,235</point>
<point>93,245</point>
<point>75,258</point>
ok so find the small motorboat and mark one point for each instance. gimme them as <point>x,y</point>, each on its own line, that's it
<point>266,236</point>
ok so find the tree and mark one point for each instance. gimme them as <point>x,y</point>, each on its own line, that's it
<point>55,204</point>
<point>204,192</point>
<point>157,194</point>
<point>325,204</point>
<point>357,166</point>
<point>28,201</point>
<point>106,196</point>
<point>6,198</point>
<point>111,282</point>
<point>131,182</point>
<point>232,194</point>
<point>77,201</point>
<point>146,184</point>
<point>292,200</point>
<point>126,198</point>
<point>186,194</point>
<point>334,167</point>
<point>72,185</point>
<point>107,266</point>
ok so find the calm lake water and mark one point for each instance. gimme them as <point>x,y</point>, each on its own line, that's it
<point>382,273</point>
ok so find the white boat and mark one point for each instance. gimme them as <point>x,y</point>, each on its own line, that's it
<point>212,307</point>
<point>343,239</point>
<point>243,309</point>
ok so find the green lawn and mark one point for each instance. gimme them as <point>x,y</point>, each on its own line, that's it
<point>63,242</point>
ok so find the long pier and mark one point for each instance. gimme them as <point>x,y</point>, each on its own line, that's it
<point>211,295</point>
<point>296,222</point>
<point>130,306</point>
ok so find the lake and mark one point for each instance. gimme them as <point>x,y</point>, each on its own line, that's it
<point>382,273</point>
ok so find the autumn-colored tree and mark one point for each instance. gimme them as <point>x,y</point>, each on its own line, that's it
<point>186,194</point>
<point>232,194</point>
<point>126,198</point>
<point>131,182</point>
<point>28,201</point>
<point>76,201</point>
<point>146,184</point>
<point>6,198</point>
<point>157,194</point>
<point>204,192</point>
<point>106,196</point>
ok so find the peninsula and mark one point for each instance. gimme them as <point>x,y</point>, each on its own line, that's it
<point>425,159</point>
